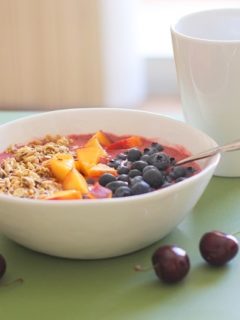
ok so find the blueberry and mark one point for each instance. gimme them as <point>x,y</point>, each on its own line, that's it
<point>135,180</point>
<point>154,178</point>
<point>122,156</point>
<point>140,188</point>
<point>145,151</point>
<point>180,179</point>
<point>90,180</point>
<point>115,184</point>
<point>123,191</point>
<point>114,163</point>
<point>178,172</point>
<point>160,160</point>
<point>168,179</point>
<point>133,173</point>
<point>134,154</point>
<point>145,158</point>
<point>158,147</point>
<point>139,165</point>
<point>172,161</point>
<point>106,178</point>
<point>122,169</point>
<point>150,151</point>
<point>190,171</point>
<point>123,177</point>
<point>149,167</point>
<point>166,184</point>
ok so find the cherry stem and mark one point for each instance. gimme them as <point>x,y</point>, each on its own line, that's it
<point>236,233</point>
<point>18,280</point>
<point>138,267</point>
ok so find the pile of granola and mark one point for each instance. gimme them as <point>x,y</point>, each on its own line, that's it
<point>25,173</point>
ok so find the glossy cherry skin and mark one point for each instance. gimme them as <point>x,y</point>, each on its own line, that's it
<point>218,248</point>
<point>2,266</point>
<point>171,263</point>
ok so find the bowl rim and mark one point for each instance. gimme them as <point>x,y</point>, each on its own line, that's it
<point>93,202</point>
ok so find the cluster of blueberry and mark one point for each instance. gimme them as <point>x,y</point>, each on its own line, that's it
<point>143,171</point>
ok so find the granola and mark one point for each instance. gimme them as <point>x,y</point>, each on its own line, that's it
<point>24,172</point>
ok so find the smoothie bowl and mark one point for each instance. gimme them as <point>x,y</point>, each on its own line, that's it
<point>97,183</point>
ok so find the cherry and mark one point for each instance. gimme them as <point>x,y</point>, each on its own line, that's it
<point>3,266</point>
<point>218,248</point>
<point>171,263</point>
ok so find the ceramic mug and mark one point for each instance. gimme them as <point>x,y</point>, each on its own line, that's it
<point>206,48</point>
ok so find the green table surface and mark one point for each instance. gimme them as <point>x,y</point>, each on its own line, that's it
<point>110,289</point>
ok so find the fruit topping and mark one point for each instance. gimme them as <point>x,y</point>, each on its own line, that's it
<point>60,165</point>
<point>69,166</point>
<point>122,191</point>
<point>139,165</point>
<point>99,169</point>
<point>102,138</point>
<point>75,181</point>
<point>99,192</point>
<point>154,178</point>
<point>115,184</point>
<point>140,187</point>
<point>90,154</point>
<point>134,154</point>
<point>106,178</point>
<point>131,142</point>
<point>159,160</point>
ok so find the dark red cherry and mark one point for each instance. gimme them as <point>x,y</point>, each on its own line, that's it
<point>171,263</point>
<point>3,266</point>
<point>218,248</point>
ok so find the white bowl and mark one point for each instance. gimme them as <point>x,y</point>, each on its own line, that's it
<point>91,229</point>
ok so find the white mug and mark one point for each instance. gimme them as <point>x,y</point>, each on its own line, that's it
<point>206,48</point>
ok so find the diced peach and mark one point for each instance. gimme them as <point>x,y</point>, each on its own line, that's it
<point>99,192</point>
<point>64,195</point>
<point>75,181</point>
<point>77,166</point>
<point>87,158</point>
<point>131,142</point>
<point>99,169</point>
<point>60,165</point>
<point>89,155</point>
<point>93,142</point>
<point>102,138</point>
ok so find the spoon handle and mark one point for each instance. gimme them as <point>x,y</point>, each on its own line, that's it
<point>235,145</point>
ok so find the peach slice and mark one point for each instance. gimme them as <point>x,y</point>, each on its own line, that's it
<point>75,181</point>
<point>102,138</point>
<point>60,165</point>
<point>99,169</point>
<point>131,142</point>
<point>64,195</point>
<point>94,143</point>
<point>99,192</point>
<point>76,165</point>
<point>90,154</point>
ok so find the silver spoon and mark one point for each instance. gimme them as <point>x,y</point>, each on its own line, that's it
<point>235,145</point>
